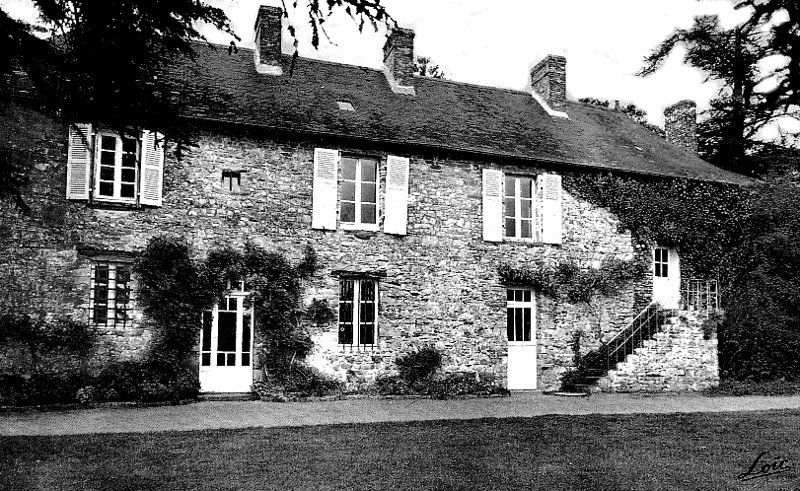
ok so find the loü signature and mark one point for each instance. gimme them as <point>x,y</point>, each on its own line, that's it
<point>765,466</point>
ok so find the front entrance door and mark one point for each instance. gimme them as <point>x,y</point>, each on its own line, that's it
<point>521,334</point>
<point>226,342</point>
<point>666,277</point>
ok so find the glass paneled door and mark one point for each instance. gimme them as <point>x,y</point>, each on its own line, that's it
<point>521,335</point>
<point>226,341</point>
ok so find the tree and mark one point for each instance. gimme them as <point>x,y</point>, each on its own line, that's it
<point>632,110</point>
<point>425,68</point>
<point>100,62</point>
<point>728,137</point>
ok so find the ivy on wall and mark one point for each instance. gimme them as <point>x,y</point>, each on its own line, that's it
<point>701,218</point>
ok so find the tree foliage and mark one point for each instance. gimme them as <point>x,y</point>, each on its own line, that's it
<point>424,67</point>
<point>362,12</point>
<point>728,137</point>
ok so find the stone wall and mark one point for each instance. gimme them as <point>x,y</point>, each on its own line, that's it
<point>677,359</point>
<point>439,285</point>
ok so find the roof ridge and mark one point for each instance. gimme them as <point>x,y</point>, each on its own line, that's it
<point>378,70</point>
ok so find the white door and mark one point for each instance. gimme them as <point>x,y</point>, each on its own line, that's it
<point>226,341</point>
<point>666,277</point>
<point>521,334</point>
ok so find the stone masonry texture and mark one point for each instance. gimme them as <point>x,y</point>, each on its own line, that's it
<point>439,284</point>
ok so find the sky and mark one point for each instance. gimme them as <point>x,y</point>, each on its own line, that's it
<point>495,43</point>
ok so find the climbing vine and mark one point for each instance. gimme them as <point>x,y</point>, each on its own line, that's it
<point>701,218</point>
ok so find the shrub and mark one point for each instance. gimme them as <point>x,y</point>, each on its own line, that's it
<point>443,386</point>
<point>302,381</point>
<point>419,364</point>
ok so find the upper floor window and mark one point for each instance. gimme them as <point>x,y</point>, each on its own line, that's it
<point>232,181</point>
<point>358,312</point>
<point>116,169</point>
<point>519,217</point>
<point>359,191</point>
<point>107,167</point>
<point>661,262</point>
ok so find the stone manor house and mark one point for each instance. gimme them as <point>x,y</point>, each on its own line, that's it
<point>412,190</point>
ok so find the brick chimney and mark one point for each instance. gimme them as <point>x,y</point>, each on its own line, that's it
<point>398,60</point>
<point>680,125</point>
<point>549,83</point>
<point>268,40</point>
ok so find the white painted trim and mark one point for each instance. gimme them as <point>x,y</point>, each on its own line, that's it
<point>268,69</point>
<point>396,87</point>
<point>547,108</point>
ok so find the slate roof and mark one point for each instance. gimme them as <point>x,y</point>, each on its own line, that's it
<point>443,115</point>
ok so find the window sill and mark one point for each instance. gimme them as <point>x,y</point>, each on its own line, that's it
<point>113,204</point>
<point>364,227</point>
<point>521,240</point>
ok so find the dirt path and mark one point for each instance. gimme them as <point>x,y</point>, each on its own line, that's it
<point>205,415</point>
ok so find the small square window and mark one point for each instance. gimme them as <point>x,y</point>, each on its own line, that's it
<point>345,105</point>
<point>232,181</point>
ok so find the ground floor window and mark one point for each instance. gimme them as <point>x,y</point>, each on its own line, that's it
<point>111,295</point>
<point>519,315</point>
<point>358,312</point>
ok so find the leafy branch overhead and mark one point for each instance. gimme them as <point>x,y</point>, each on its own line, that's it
<point>361,11</point>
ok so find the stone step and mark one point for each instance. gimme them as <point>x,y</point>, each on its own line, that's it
<point>225,396</point>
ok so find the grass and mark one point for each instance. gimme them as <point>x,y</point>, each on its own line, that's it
<point>647,452</point>
<point>750,388</point>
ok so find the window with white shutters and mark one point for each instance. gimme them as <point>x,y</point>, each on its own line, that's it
<point>106,167</point>
<point>519,207</point>
<point>358,192</point>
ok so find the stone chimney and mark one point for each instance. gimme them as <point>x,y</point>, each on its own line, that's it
<point>549,83</point>
<point>398,60</point>
<point>680,125</point>
<point>268,40</point>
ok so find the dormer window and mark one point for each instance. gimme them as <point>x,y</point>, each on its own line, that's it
<point>345,105</point>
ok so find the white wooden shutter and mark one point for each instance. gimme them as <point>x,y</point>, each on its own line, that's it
<point>323,215</point>
<point>151,177</point>
<point>551,208</point>
<point>79,159</point>
<point>396,219</point>
<point>492,205</point>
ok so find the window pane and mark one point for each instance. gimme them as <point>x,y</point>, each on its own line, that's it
<point>245,359</point>
<point>127,191</point>
<point>108,143</point>
<point>511,207</point>
<point>100,294</point>
<point>348,212</point>
<point>346,290</point>
<point>518,324</point>
<point>525,229</point>
<point>509,295</point>
<point>345,334</point>
<point>368,193</point>
<point>129,160</point>
<point>226,336</point>
<point>207,319</point>
<point>525,187</point>
<point>128,175</point>
<point>101,314</point>
<point>510,186</point>
<point>128,145</point>
<point>367,291</point>
<point>206,359</point>
<point>518,295</point>
<point>106,173</point>
<point>511,227</point>
<point>526,324</point>
<point>368,214</point>
<point>348,168</point>
<point>368,167</point>
<point>366,334</point>
<point>526,296</point>
<point>220,359</point>
<point>101,273</point>
<point>510,321</point>
<point>231,359</point>
<point>348,191</point>
<point>246,333</point>
<point>526,206</point>
<point>107,159</point>
<point>664,271</point>
<point>106,189</point>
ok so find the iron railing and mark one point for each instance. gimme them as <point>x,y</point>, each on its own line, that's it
<point>700,295</point>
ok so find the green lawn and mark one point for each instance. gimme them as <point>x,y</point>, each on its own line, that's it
<point>648,452</point>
